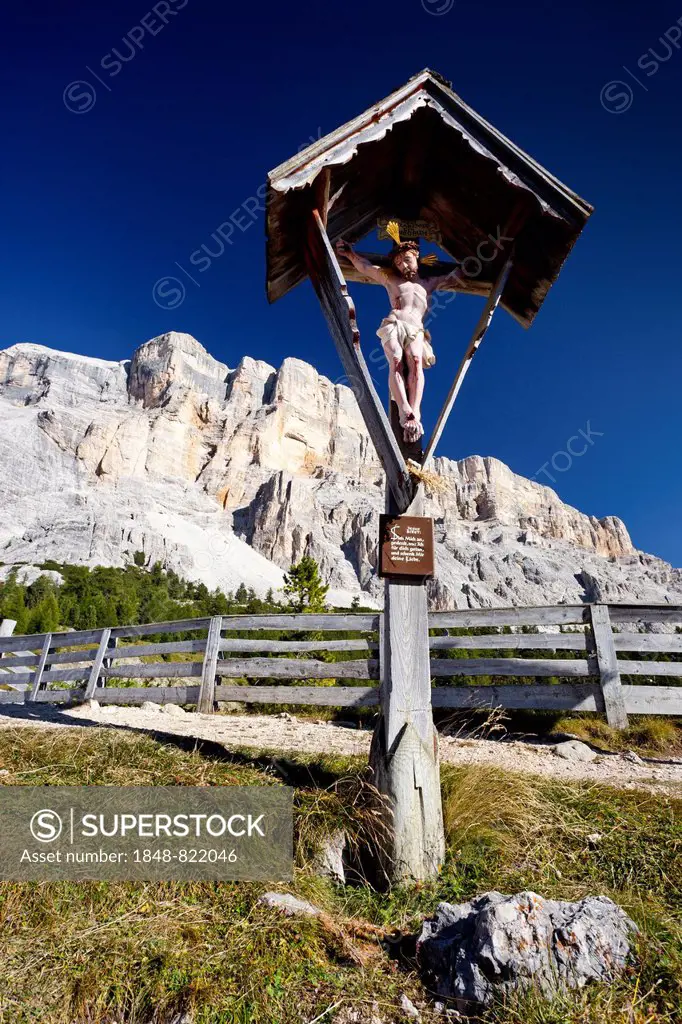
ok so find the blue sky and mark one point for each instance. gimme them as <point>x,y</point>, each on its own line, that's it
<point>130,135</point>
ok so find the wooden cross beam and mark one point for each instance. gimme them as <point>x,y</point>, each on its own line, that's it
<point>476,339</point>
<point>339,310</point>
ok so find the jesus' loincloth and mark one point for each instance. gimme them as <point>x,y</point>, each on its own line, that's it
<point>398,326</point>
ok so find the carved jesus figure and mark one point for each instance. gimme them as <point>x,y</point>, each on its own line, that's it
<point>403,331</point>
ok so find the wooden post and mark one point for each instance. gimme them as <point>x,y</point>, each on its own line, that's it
<point>96,669</point>
<point>404,754</point>
<point>38,677</point>
<point>207,691</point>
<point>609,673</point>
<point>7,627</point>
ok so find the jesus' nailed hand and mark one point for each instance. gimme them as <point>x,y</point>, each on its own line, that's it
<point>403,331</point>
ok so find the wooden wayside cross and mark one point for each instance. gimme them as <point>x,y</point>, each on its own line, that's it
<point>424,156</point>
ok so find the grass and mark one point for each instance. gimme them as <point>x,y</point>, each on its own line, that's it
<point>106,953</point>
<point>648,735</point>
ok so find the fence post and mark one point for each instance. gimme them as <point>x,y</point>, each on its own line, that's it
<point>97,664</point>
<point>7,627</point>
<point>207,691</point>
<point>38,677</point>
<point>607,660</point>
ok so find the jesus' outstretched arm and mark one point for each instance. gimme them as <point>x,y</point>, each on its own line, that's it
<point>370,270</point>
<point>432,284</point>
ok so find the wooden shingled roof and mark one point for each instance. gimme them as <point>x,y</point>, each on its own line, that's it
<point>423,154</point>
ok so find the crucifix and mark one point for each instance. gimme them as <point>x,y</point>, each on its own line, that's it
<point>419,156</point>
<point>404,337</point>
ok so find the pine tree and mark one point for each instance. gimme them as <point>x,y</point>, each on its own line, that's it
<point>304,587</point>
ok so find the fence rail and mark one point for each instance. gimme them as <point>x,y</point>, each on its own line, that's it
<point>578,642</point>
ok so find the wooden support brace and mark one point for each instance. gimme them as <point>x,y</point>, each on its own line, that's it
<point>207,690</point>
<point>38,677</point>
<point>322,186</point>
<point>96,669</point>
<point>339,310</point>
<point>108,661</point>
<point>609,672</point>
<point>477,337</point>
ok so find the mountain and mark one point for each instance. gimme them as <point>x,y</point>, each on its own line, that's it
<point>230,475</point>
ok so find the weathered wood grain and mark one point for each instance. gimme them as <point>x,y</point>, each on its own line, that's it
<point>72,657</point>
<point>319,696</point>
<point>164,670</point>
<point>557,615</point>
<point>18,661</point>
<point>513,667</point>
<point>649,668</point>
<point>645,613</point>
<point>513,641</point>
<point>648,643</point>
<point>147,650</point>
<point>12,697</point>
<point>97,664</point>
<point>641,700</point>
<point>35,641</point>
<point>609,675</point>
<point>60,675</point>
<point>295,668</point>
<point>562,697</point>
<point>404,752</point>
<point>341,622</point>
<point>291,646</point>
<point>156,694</point>
<point>208,671</point>
<point>38,677</point>
<point>653,700</point>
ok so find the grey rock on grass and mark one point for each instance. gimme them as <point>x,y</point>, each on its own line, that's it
<point>288,904</point>
<point>495,945</point>
<point>575,750</point>
<point>329,861</point>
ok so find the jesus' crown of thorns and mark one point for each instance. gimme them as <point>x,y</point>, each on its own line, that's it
<point>393,230</point>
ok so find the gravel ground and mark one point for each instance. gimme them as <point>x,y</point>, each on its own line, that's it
<point>287,733</point>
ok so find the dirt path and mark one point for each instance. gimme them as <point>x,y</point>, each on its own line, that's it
<point>287,733</point>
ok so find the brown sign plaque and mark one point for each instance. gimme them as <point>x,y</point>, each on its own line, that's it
<point>405,546</point>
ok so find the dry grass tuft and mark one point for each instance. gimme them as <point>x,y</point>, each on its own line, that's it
<point>648,735</point>
<point>433,481</point>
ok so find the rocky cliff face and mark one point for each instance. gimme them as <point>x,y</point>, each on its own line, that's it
<point>229,475</point>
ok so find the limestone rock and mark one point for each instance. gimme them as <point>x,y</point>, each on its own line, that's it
<point>575,750</point>
<point>329,861</point>
<point>288,904</point>
<point>495,944</point>
<point>228,475</point>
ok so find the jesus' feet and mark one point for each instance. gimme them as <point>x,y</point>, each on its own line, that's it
<point>412,429</point>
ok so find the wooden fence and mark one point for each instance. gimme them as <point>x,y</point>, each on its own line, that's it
<point>584,647</point>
